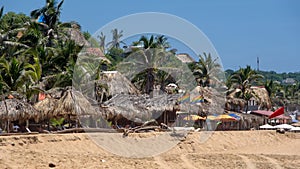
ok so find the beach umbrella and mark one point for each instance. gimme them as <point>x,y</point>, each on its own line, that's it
<point>295,129</point>
<point>284,126</point>
<point>193,117</point>
<point>225,117</point>
<point>211,117</point>
<point>266,126</point>
<point>235,116</point>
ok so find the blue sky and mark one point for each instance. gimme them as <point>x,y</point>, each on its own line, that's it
<point>240,31</point>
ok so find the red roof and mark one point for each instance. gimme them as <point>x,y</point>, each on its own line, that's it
<point>268,113</point>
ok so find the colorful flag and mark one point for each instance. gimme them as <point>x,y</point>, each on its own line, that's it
<point>184,99</point>
<point>198,99</point>
<point>277,112</point>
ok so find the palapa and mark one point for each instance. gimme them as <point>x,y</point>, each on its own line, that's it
<point>18,110</point>
<point>73,103</point>
<point>46,107</point>
<point>260,95</point>
<point>117,83</point>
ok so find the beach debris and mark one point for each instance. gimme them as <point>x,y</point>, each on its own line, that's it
<point>51,165</point>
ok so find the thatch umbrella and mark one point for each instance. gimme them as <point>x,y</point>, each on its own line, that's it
<point>14,109</point>
<point>73,103</point>
<point>17,110</point>
<point>46,107</point>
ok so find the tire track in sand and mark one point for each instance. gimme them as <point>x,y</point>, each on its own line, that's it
<point>247,161</point>
<point>271,161</point>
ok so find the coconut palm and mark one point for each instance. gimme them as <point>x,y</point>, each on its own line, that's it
<point>102,42</point>
<point>12,73</point>
<point>116,39</point>
<point>245,77</point>
<point>206,70</point>
<point>49,13</point>
<point>162,42</point>
<point>148,43</point>
<point>1,11</point>
<point>243,80</point>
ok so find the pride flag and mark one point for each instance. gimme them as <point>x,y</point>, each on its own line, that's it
<point>198,99</point>
<point>184,99</point>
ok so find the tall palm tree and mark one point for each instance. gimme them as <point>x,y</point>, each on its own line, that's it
<point>206,70</point>
<point>245,77</point>
<point>50,13</point>
<point>116,39</point>
<point>1,11</point>
<point>102,42</point>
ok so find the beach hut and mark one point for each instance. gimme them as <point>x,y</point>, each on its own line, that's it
<point>120,107</point>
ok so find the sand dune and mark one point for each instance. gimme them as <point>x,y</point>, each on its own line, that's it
<point>224,149</point>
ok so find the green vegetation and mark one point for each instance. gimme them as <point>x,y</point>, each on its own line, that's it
<point>37,53</point>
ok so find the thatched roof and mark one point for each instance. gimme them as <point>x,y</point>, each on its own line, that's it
<point>17,110</point>
<point>142,107</point>
<point>117,83</point>
<point>261,97</point>
<point>214,99</point>
<point>76,35</point>
<point>93,53</point>
<point>73,103</point>
<point>46,107</point>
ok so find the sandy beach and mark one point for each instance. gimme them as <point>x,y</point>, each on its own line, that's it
<point>224,149</point>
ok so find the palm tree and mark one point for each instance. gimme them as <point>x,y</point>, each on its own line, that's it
<point>50,13</point>
<point>116,39</point>
<point>12,73</point>
<point>49,22</point>
<point>206,70</point>
<point>243,80</point>
<point>102,42</point>
<point>148,43</point>
<point>245,77</point>
<point>162,42</point>
<point>1,11</point>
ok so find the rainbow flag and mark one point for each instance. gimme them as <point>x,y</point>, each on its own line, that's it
<point>198,99</point>
<point>184,99</point>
